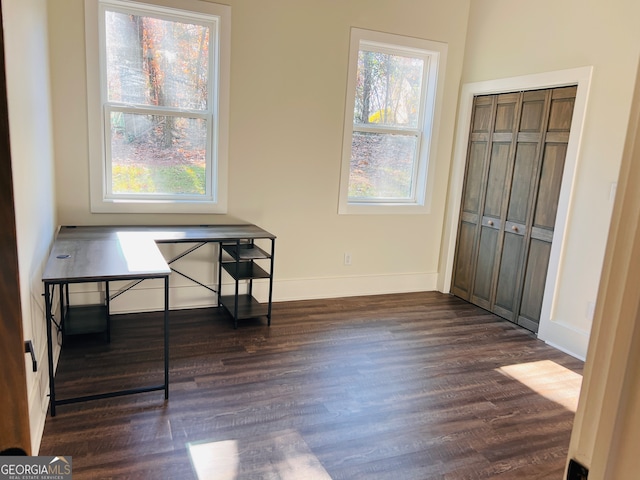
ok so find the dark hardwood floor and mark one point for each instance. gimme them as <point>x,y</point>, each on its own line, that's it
<point>407,386</point>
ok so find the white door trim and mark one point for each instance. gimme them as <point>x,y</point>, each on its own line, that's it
<point>576,76</point>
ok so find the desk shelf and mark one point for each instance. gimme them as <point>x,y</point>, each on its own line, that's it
<point>247,251</point>
<point>244,270</point>
<point>240,261</point>
<point>84,319</point>
<point>248,307</point>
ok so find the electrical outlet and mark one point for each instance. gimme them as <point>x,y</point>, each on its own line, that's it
<point>347,258</point>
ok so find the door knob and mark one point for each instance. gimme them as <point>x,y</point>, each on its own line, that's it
<point>514,228</point>
<point>490,223</point>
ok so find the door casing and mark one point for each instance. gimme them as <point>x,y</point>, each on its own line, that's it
<point>14,406</point>
<point>575,76</point>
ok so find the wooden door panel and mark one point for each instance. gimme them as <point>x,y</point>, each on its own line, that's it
<point>543,234</point>
<point>505,298</point>
<point>562,103</point>
<point>497,179</point>
<point>546,205</point>
<point>533,110</point>
<point>550,181</point>
<point>475,177</point>
<point>463,268</point>
<point>521,185</point>
<point>484,267</point>
<point>506,111</point>
<point>560,117</point>
<point>557,137</point>
<point>482,114</point>
<point>532,116</point>
<point>473,196</point>
<point>534,281</point>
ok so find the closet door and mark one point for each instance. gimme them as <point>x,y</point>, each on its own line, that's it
<point>554,151</point>
<point>492,220</point>
<point>482,120</point>
<point>522,189</point>
<point>512,183</point>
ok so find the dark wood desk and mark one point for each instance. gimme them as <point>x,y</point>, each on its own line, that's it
<point>111,253</point>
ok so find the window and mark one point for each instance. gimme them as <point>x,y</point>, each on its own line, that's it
<point>158,84</point>
<point>391,105</point>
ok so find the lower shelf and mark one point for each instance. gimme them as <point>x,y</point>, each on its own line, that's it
<point>85,319</point>
<point>248,307</point>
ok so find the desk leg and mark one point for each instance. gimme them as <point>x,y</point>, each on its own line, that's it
<point>237,276</point>
<point>48,319</point>
<point>107,301</point>
<point>166,338</point>
<point>61,299</point>
<point>219,273</point>
<point>273,254</point>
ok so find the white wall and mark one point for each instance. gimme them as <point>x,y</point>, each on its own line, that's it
<point>510,39</point>
<point>288,83</point>
<point>606,428</point>
<point>27,67</point>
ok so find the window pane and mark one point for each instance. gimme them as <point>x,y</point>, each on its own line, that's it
<point>388,89</point>
<point>156,154</point>
<point>382,166</point>
<point>156,62</point>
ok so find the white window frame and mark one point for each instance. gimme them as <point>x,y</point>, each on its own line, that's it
<point>434,55</point>
<point>102,199</point>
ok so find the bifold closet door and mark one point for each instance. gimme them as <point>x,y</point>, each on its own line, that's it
<point>514,169</point>
<point>545,205</point>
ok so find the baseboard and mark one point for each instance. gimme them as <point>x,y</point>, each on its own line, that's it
<point>334,287</point>
<point>565,338</point>
<point>38,382</point>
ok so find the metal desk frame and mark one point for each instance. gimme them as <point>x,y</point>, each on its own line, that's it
<point>49,287</point>
<point>75,244</point>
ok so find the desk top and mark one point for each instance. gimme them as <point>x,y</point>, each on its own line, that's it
<point>98,253</point>
<point>166,234</point>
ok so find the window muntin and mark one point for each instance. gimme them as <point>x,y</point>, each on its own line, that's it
<point>388,121</point>
<point>161,99</point>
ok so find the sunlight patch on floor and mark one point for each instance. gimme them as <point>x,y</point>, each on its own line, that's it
<point>564,388</point>
<point>289,458</point>
<point>215,460</point>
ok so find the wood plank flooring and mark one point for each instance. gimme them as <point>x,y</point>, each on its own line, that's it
<point>407,386</point>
